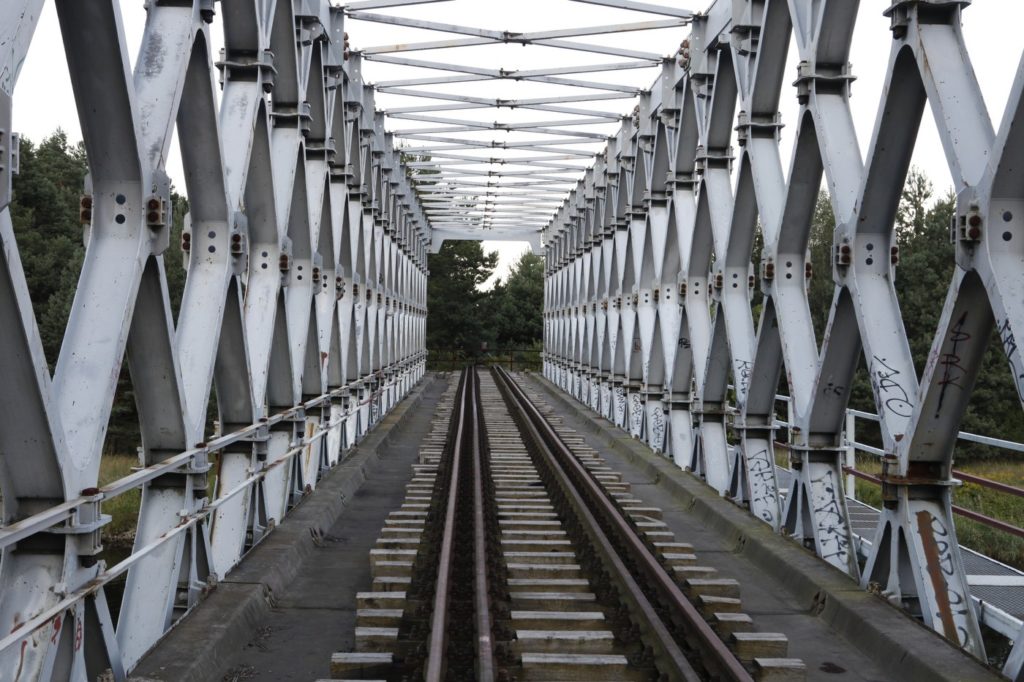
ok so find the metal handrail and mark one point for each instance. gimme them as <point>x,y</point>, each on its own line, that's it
<point>44,520</point>
<point>54,516</point>
<point>855,445</point>
<point>850,442</point>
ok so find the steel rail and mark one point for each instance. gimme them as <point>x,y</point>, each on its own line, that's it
<point>667,650</point>
<point>360,5</point>
<point>499,105</point>
<point>472,127</point>
<point>641,7</point>
<point>499,125</point>
<point>481,593</point>
<point>512,73</point>
<point>437,644</point>
<point>580,486</point>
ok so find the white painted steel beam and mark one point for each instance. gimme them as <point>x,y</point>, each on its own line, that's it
<point>306,245</point>
<point>296,248</point>
<point>649,279</point>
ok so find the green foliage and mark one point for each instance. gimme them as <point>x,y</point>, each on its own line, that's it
<point>456,308</point>
<point>819,245</point>
<point>926,262</point>
<point>922,278</point>
<point>518,320</point>
<point>44,213</point>
<point>821,291</point>
<point>124,508</point>
<point>461,318</point>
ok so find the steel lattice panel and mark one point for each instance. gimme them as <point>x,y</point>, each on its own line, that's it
<point>304,310</point>
<point>650,279</point>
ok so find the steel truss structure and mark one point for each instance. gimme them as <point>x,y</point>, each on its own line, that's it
<point>306,242</point>
<point>507,186</point>
<point>649,284</point>
<point>304,310</point>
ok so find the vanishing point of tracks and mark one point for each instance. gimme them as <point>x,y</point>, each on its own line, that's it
<point>519,555</point>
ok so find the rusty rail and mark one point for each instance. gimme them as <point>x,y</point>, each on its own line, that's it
<point>593,506</point>
<point>466,442</point>
<point>481,596</point>
<point>437,646</point>
<point>989,483</point>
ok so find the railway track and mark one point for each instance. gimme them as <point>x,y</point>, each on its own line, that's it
<point>518,554</point>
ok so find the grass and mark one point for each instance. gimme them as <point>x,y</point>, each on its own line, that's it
<point>123,509</point>
<point>119,534</point>
<point>979,537</point>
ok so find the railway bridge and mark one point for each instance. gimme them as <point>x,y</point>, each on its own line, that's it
<point>287,397</point>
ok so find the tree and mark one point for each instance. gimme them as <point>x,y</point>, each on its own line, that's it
<point>44,213</point>
<point>925,269</point>
<point>819,244</point>
<point>454,301</point>
<point>926,262</point>
<point>520,302</point>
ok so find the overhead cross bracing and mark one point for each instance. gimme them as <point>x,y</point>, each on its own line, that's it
<point>498,126</point>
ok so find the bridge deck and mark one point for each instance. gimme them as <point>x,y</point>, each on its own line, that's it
<point>311,614</point>
<point>831,624</point>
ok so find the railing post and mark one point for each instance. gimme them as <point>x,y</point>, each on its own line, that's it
<point>789,419</point>
<point>850,438</point>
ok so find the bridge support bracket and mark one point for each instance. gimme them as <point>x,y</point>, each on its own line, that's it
<point>914,559</point>
<point>815,510</point>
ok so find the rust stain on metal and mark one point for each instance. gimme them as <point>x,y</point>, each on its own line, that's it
<point>931,552</point>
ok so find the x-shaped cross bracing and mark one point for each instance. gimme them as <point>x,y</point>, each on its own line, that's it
<point>650,278</point>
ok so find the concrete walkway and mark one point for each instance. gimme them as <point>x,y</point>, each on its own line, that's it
<point>315,616</point>
<point>308,606</point>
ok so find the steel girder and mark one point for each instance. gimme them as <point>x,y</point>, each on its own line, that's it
<point>493,207</point>
<point>649,277</point>
<point>304,310</point>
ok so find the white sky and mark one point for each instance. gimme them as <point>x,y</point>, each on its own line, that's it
<point>44,102</point>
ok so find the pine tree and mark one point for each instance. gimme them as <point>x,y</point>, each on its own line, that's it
<point>520,322</point>
<point>455,305</point>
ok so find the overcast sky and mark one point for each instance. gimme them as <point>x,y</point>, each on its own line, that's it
<point>43,99</point>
